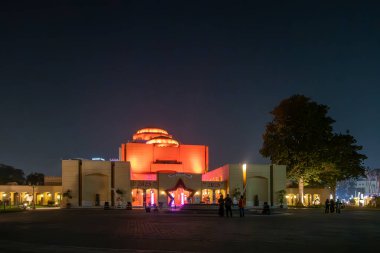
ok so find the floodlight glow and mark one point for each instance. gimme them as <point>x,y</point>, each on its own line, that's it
<point>151,198</point>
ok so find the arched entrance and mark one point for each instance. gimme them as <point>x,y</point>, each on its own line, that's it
<point>179,194</point>
<point>96,190</point>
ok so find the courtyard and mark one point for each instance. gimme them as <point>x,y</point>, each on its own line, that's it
<point>97,230</point>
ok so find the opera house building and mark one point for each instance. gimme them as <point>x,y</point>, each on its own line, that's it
<point>154,169</point>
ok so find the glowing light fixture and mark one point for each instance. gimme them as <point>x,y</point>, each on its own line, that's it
<point>151,198</point>
<point>244,167</point>
<point>162,141</point>
<point>152,130</point>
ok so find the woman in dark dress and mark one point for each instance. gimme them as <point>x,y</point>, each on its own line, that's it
<point>221,206</point>
<point>327,206</point>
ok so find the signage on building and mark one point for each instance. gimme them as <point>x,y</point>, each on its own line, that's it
<point>143,184</point>
<point>213,185</point>
<point>180,175</point>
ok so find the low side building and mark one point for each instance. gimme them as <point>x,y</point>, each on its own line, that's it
<point>260,182</point>
<point>88,183</point>
<point>14,195</point>
<point>312,196</point>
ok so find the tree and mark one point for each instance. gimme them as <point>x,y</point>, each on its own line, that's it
<point>35,178</point>
<point>10,174</point>
<point>343,161</point>
<point>298,137</point>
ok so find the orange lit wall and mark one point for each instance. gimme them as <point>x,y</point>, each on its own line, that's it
<point>144,176</point>
<point>143,157</point>
<point>166,153</point>
<point>219,174</point>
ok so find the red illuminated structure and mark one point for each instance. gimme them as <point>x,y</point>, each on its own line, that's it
<point>153,150</point>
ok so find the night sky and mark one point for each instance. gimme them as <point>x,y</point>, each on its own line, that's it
<point>77,80</point>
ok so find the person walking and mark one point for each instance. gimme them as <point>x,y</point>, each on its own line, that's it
<point>332,206</point>
<point>241,206</point>
<point>338,205</point>
<point>228,204</point>
<point>327,206</point>
<point>221,205</point>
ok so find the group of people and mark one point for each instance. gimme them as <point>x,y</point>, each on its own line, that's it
<point>226,204</point>
<point>331,206</point>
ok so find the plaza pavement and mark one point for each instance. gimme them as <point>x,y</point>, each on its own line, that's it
<point>96,230</point>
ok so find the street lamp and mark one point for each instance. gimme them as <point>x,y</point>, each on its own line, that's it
<point>33,202</point>
<point>244,167</point>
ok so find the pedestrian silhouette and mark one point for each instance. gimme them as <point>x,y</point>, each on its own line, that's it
<point>221,206</point>
<point>332,206</point>
<point>327,206</point>
<point>228,205</point>
<point>241,206</point>
<point>338,205</point>
<point>266,209</point>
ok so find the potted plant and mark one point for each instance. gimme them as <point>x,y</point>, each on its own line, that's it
<point>67,195</point>
<point>281,195</point>
<point>119,199</point>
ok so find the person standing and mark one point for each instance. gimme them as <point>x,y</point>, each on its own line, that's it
<point>241,206</point>
<point>338,205</point>
<point>228,204</point>
<point>221,205</point>
<point>266,208</point>
<point>327,206</point>
<point>332,206</point>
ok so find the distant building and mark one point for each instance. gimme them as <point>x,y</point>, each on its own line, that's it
<point>367,186</point>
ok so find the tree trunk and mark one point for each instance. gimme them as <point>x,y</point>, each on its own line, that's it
<point>300,191</point>
<point>333,191</point>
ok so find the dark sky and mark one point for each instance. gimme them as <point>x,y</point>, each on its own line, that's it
<point>76,80</point>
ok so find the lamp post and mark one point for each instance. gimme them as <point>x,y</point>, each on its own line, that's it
<point>244,167</point>
<point>34,203</point>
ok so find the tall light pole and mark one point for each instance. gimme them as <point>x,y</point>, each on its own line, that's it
<point>244,167</point>
<point>34,203</point>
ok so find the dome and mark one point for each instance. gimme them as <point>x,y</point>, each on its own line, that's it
<point>152,130</point>
<point>163,141</point>
<point>156,136</point>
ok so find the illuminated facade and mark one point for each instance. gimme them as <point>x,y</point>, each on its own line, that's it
<point>49,194</point>
<point>154,169</point>
<point>153,150</point>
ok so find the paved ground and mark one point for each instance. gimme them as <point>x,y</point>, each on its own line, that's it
<point>96,230</point>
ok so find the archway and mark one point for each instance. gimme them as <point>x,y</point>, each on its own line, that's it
<point>179,194</point>
<point>96,190</point>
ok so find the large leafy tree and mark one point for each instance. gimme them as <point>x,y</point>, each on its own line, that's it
<point>35,179</point>
<point>10,174</point>
<point>298,137</point>
<point>343,161</point>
